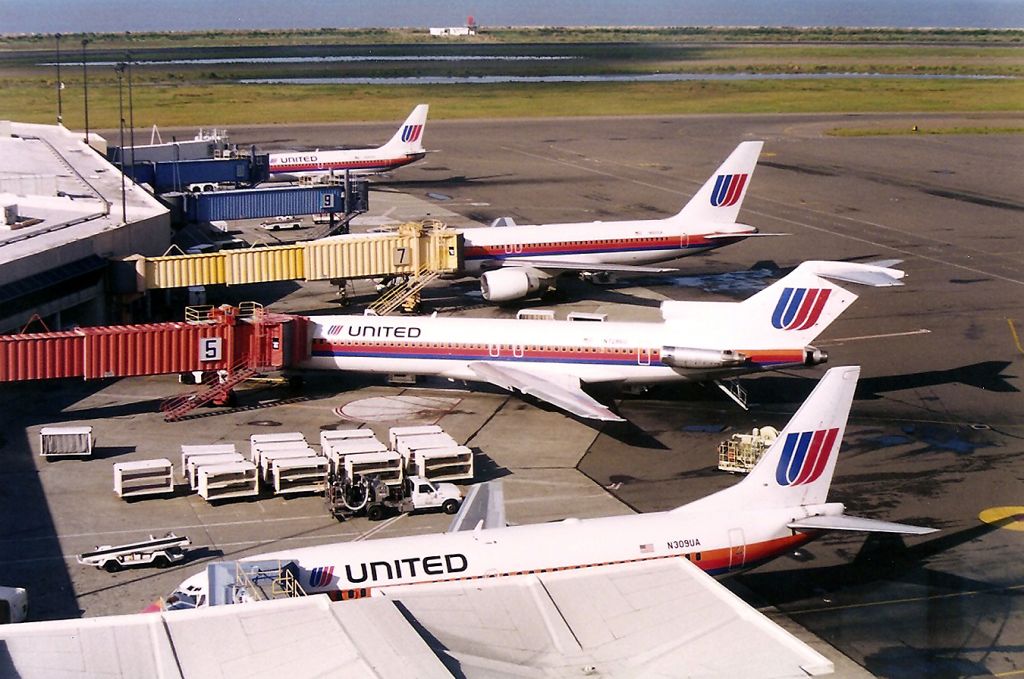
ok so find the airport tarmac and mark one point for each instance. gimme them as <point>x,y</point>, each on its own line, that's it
<point>935,438</point>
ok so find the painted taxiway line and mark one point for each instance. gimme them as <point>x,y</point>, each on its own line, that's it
<point>840,340</point>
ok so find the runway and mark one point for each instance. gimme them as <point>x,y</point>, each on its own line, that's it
<point>936,436</point>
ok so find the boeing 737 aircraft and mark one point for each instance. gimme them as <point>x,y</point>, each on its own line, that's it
<point>515,261</point>
<point>779,507</point>
<point>552,360</point>
<point>403,148</point>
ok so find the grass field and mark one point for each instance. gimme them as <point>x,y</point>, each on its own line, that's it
<point>192,94</point>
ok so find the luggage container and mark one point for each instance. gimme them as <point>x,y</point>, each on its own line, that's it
<point>269,457</point>
<point>198,462</point>
<point>144,477</point>
<point>58,441</point>
<point>197,450</point>
<point>300,475</point>
<point>256,439</point>
<point>344,434</point>
<point>257,456</point>
<point>395,433</point>
<point>337,450</point>
<point>235,479</point>
<point>386,465</point>
<point>408,445</point>
<point>443,464</point>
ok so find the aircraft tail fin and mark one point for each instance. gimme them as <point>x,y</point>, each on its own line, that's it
<point>721,197</point>
<point>409,137</point>
<point>797,469</point>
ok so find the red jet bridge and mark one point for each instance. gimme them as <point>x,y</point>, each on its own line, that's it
<point>229,344</point>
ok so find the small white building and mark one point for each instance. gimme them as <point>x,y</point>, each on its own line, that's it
<point>453,30</point>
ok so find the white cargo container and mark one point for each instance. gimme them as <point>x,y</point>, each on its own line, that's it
<point>443,464</point>
<point>65,441</point>
<point>261,448</point>
<point>300,475</point>
<point>408,445</point>
<point>269,457</point>
<point>273,438</point>
<point>386,465</point>
<point>144,477</point>
<point>336,451</point>
<point>395,433</point>
<point>235,479</point>
<point>195,450</point>
<point>345,434</point>
<point>198,462</point>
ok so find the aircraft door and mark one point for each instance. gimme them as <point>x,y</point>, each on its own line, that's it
<point>643,355</point>
<point>494,349</point>
<point>513,248</point>
<point>517,350</point>
<point>684,240</point>
<point>737,548</point>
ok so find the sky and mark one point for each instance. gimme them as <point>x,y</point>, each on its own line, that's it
<point>69,16</point>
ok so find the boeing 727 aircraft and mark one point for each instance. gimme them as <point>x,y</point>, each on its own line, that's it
<point>403,148</point>
<point>515,261</point>
<point>552,360</point>
<point>782,505</point>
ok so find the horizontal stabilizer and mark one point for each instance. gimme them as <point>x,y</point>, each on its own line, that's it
<point>712,236</point>
<point>851,272</point>
<point>856,523</point>
<point>551,266</point>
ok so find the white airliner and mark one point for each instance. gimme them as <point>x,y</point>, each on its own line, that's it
<point>779,507</point>
<point>403,148</point>
<point>518,261</point>
<point>552,360</point>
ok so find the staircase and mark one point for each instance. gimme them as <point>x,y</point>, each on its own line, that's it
<point>218,385</point>
<point>405,294</point>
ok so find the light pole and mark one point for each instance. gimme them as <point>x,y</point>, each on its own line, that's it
<point>85,89</point>
<point>60,84</point>
<point>120,107</point>
<point>131,110</point>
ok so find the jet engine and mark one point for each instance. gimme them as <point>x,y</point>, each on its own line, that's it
<point>813,356</point>
<point>682,357</point>
<point>504,285</point>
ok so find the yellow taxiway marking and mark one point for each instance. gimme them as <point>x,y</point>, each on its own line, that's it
<point>1016,337</point>
<point>1001,514</point>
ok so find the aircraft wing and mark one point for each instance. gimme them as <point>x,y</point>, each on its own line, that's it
<point>484,507</point>
<point>652,619</point>
<point>565,393</point>
<point>552,266</point>
<point>655,619</point>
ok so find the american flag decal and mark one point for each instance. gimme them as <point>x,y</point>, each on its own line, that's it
<point>646,549</point>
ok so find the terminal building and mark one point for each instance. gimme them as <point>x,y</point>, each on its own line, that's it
<point>67,212</point>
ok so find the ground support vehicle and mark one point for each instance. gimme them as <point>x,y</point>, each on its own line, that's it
<point>159,552</point>
<point>370,495</point>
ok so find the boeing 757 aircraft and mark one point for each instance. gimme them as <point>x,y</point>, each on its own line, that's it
<point>553,360</point>
<point>781,505</point>
<point>516,261</point>
<point>405,147</point>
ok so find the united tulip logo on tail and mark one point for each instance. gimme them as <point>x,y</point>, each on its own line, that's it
<point>799,308</point>
<point>411,133</point>
<point>728,189</point>
<point>804,456</point>
<point>321,576</point>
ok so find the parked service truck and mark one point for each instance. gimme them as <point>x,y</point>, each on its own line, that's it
<point>347,498</point>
